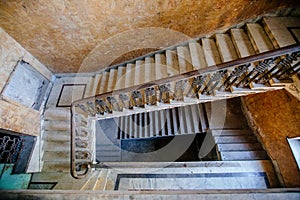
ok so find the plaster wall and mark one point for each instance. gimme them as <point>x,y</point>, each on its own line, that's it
<point>275,116</point>
<point>14,116</point>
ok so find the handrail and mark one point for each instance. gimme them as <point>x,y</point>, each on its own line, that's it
<point>73,153</point>
<point>224,66</point>
<point>197,72</point>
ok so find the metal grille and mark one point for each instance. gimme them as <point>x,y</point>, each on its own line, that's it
<point>10,147</point>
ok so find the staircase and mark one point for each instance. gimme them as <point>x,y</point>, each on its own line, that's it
<point>251,58</point>
<point>242,60</point>
<point>169,86</point>
<point>235,145</point>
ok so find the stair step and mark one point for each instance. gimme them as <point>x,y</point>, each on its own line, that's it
<point>172,63</point>
<point>56,135</point>
<point>90,184</point>
<point>56,156</point>
<point>57,114</point>
<point>239,147</point>
<point>161,70</point>
<point>107,147</point>
<point>139,72</point>
<point>184,59</point>
<point>242,43</point>
<point>226,47</point>
<point>259,38</point>
<point>234,132</point>
<point>211,52</point>
<point>50,176</point>
<point>56,166</point>
<point>277,30</point>
<point>56,125</point>
<point>120,82</point>
<point>96,83</point>
<point>75,184</point>
<point>112,80</point>
<point>235,139</point>
<point>243,155</point>
<point>57,145</point>
<point>109,158</point>
<point>197,55</point>
<point>149,69</point>
<point>104,82</point>
<point>101,182</point>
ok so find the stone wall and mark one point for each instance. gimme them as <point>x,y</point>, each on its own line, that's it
<point>275,116</point>
<point>14,116</point>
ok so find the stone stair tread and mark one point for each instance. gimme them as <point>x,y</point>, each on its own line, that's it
<point>50,176</point>
<point>56,136</point>
<point>235,139</point>
<point>56,126</point>
<point>74,185</point>
<point>90,184</point>
<point>109,154</point>
<point>243,155</point>
<point>56,166</point>
<point>57,113</point>
<point>110,159</point>
<point>239,147</point>
<point>232,132</point>
<point>108,147</point>
<point>56,155</point>
<point>57,145</point>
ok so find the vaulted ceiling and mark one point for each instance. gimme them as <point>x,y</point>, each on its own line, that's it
<point>89,35</point>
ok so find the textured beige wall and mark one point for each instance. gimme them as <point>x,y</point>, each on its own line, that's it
<point>14,116</point>
<point>62,33</point>
<point>276,116</point>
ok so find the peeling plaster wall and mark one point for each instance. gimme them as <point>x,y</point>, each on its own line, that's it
<point>275,116</point>
<point>14,116</point>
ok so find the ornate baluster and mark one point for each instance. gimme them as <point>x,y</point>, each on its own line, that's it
<point>80,132</point>
<point>216,77</point>
<point>285,66</point>
<point>83,155</point>
<point>99,109</point>
<point>151,98</point>
<point>81,143</point>
<point>197,84</point>
<point>91,108</point>
<point>179,90</point>
<point>137,99</point>
<point>104,106</point>
<point>114,103</point>
<point>86,109</point>
<point>126,101</point>
<point>236,74</point>
<point>258,70</point>
<point>164,93</point>
<point>82,107</point>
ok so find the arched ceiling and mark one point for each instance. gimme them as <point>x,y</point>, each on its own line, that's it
<point>63,33</point>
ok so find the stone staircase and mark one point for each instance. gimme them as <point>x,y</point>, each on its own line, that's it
<point>169,82</point>
<point>238,145</point>
<point>218,66</point>
<point>56,138</point>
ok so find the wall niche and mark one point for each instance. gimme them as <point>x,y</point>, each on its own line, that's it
<point>26,86</point>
